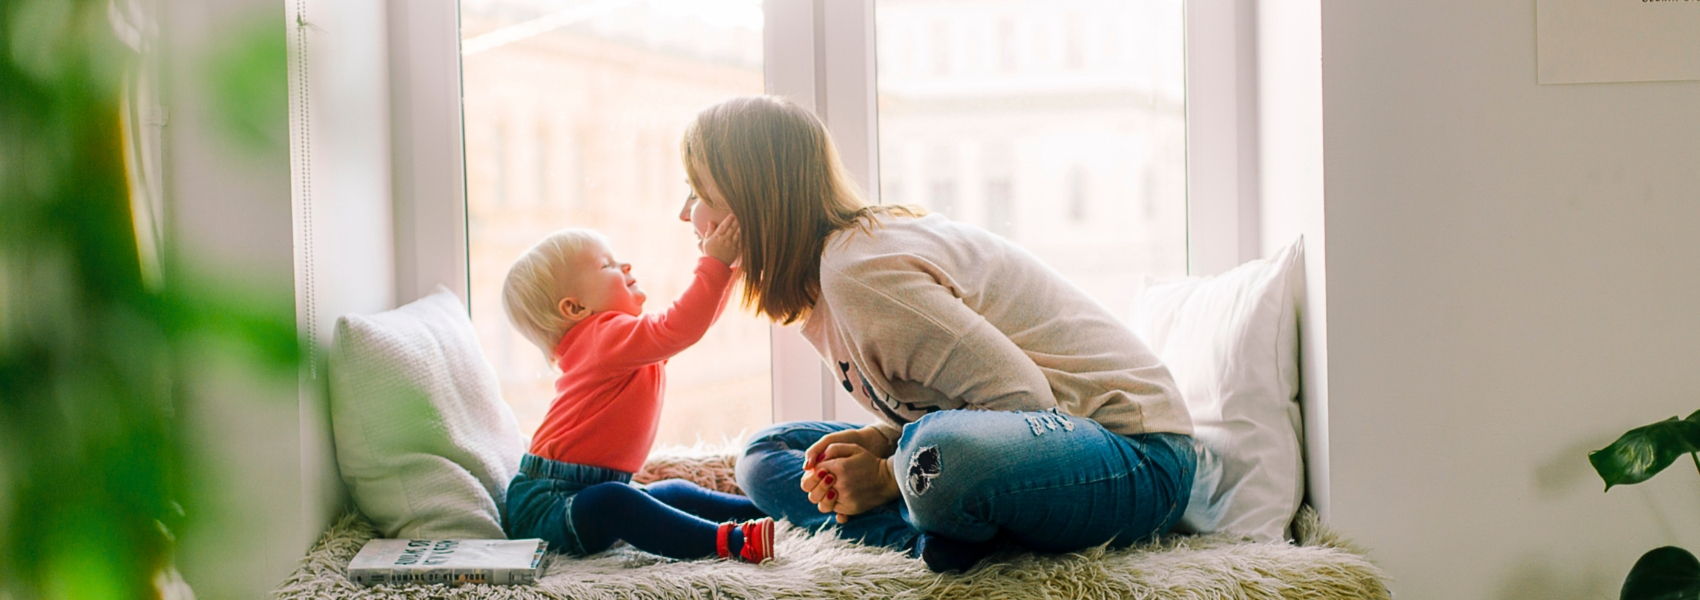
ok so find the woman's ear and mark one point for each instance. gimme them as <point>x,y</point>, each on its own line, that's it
<point>571,310</point>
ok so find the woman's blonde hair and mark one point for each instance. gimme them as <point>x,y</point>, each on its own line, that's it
<point>778,171</point>
<point>538,280</point>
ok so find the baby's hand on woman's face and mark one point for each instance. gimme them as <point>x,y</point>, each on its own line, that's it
<point>723,241</point>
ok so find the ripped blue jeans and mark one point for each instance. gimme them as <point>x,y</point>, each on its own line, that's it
<point>1043,480</point>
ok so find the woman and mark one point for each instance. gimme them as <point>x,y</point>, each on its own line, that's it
<point>1013,407</point>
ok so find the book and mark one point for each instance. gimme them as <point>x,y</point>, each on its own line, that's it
<point>395,561</point>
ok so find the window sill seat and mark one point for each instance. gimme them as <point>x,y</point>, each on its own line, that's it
<point>1321,565</point>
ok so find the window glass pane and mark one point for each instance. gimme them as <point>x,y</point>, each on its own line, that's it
<point>1057,124</point>
<point>573,112</point>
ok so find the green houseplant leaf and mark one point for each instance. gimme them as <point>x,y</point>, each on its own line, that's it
<point>99,469</point>
<point>1668,573</point>
<point>1644,451</point>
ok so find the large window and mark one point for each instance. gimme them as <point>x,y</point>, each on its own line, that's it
<point>573,112</point>
<point>1059,125</point>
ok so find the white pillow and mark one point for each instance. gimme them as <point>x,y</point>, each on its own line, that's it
<point>423,439</point>
<point>1231,342</point>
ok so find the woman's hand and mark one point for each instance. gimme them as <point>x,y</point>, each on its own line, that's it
<point>846,472</point>
<point>723,241</point>
<point>866,437</point>
<point>812,480</point>
<point>851,480</point>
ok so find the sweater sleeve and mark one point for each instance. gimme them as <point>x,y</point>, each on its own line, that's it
<point>891,432</point>
<point>653,337</point>
<point>906,323</point>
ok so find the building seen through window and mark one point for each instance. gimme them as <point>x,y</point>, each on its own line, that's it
<point>1057,124</point>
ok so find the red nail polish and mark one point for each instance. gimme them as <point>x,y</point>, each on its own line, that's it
<point>831,494</point>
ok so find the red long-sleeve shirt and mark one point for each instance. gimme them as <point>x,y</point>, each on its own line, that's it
<point>608,397</point>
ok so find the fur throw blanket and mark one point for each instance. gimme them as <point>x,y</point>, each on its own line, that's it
<point>1320,566</point>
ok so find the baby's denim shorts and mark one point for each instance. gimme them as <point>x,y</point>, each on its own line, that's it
<point>540,500</point>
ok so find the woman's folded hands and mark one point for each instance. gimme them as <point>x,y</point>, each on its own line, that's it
<point>848,472</point>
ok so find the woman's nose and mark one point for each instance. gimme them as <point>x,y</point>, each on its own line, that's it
<point>625,267</point>
<point>685,212</point>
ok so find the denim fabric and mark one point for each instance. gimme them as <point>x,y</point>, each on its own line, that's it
<point>540,500</point>
<point>771,471</point>
<point>1047,481</point>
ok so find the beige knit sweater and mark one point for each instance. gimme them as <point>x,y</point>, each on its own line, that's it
<point>926,314</point>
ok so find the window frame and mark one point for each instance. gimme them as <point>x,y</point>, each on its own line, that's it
<point>427,149</point>
<point>821,54</point>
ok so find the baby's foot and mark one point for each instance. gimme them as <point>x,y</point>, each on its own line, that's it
<point>758,540</point>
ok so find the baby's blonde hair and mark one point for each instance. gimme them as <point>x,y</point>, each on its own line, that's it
<point>535,286</point>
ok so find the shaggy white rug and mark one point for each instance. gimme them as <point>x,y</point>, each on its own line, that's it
<point>1321,566</point>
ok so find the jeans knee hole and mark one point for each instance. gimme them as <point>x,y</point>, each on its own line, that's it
<point>924,466</point>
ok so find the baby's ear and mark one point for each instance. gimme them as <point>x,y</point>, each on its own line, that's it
<point>571,310</point>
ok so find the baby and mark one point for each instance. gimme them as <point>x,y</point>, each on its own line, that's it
<point>582,307</point>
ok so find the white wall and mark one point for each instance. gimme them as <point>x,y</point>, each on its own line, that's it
<point>340,142</point>
<point>228,209</point>
<point>1511,282</point>
<point>341,202</point>
<point>315,228</point>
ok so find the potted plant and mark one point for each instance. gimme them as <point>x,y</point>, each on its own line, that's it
<point>1667,573</point>
<point>98,475</point>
